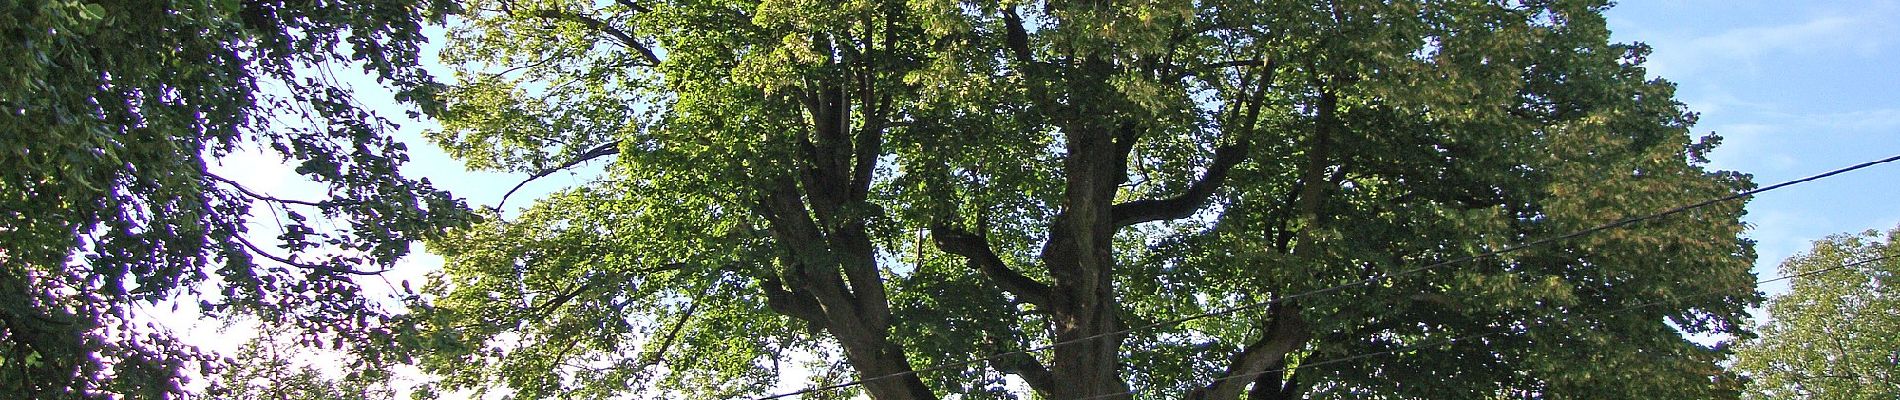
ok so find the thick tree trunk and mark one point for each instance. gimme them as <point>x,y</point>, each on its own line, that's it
<point>876,357</point>
<point>1080,252</point>
<point>1085,312</point>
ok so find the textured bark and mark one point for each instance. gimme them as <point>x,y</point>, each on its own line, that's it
<point>1271,387</point>
<point>1080,252</point>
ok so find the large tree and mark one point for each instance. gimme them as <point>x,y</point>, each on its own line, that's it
<point>1836,333</point>
<point>115,112</point>
<point>866,189</point>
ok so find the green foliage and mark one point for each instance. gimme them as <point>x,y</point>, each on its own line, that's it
<point>113,109</point>
<point>1834,335</point>
<point>901,184</point>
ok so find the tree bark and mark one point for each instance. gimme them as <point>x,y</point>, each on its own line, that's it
<point>1256,363</point>
<point>1080,252</point>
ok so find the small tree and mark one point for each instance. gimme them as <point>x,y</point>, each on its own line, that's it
<point>267,368</point>
<point>1836,334</point>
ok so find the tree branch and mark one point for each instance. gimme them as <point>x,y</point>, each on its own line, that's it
<point>1225,158</point>
<point>659,354</point>
<point>259,196</point>
<point>546,309</point>
<point>976,248</point>
<point>1033,372</point>
<point>294,263</point>
<point>864,165</point>
<point>603,150</point>
<point>1148,210</point>
<point>796,304</point>
<point>636,7</point>
<point>1286,332</point>
<point>1016,38</point>
<point>596,24</point>
<point>1194,70</point>
<point>1271,387</point>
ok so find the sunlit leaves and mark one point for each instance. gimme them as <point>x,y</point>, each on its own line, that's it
<point>1833,335</point>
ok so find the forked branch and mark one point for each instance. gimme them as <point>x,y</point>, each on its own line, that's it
<point>976,248</point>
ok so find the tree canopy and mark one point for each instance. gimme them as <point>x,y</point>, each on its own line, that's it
<point>866,189</point>
<point>115,112</point>
<point>1834,335</point>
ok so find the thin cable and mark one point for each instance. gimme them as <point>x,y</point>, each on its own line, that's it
<point>1454,340</point>
<point>1367,281</point>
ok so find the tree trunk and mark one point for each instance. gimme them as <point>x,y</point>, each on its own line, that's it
<point>1080,253</point>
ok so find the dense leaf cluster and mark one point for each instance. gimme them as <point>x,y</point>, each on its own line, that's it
<point>115,112</point>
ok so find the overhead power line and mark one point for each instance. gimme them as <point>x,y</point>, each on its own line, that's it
<point>1367,281</point>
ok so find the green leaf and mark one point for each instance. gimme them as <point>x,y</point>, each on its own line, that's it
<point>92,12</point>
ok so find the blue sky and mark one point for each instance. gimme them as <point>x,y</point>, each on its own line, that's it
<point>1795,88</point>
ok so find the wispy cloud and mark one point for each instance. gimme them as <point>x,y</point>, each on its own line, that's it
<point>1877,121</point>
<point>1863,32</point>
<point>1750,147</point>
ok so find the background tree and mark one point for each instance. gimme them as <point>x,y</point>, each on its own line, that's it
<point>113,112</point>
<point>897,185</point>
<point>267,369</point>
<point>1834,335</point>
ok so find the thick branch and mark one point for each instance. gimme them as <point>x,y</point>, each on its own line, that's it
<point>976,248</point>
<point>1269,386</point>
<point>1225,158</point>
<point>1017,38</point>
<point>797,304</point>
<point>596,24</point>
<point>1286,332</point>
<point>870,145</point>
<point>1125,139</point>
<point>1148,210</point>
<point>1033,372</point>
<point>825,154</point>
<point>816,262</point>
